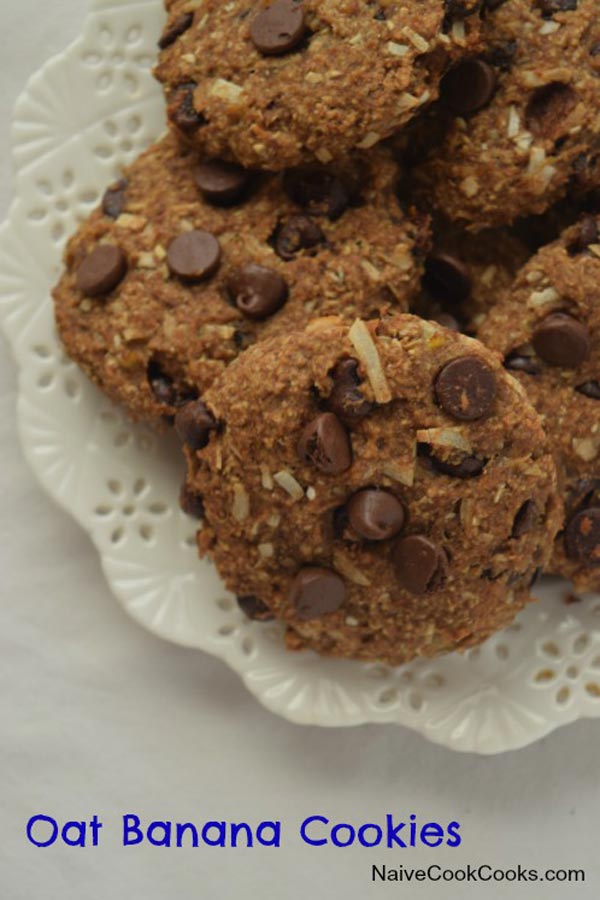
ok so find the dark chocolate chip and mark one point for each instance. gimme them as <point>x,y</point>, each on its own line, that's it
<point>468,467</point>
<point>421,565</point>
<point>549,7</point>
<point>114,199</point>
<point>182,111</point>
<point>466,388</point>
<point>101,271</point>
<point>447,278</point>
<point>375,514</point>
<point>255,609</point>
<point>194,255</point>
<point>221,183</point>
<point>296,233</point>
<point>319,191</point>
<point>193,423</point>
<point>589,389</point>
<point>346,399</point>
<point>588,234</point>
<point>582,537</point>
<point>279,28</point>
<point>177,27</point>
<point>325,444</point>
<point>520,362</point>
<point>562,340</point>
<point>525,519</point>
<point>317,592</point>
<point>468,87</point>
<point>501,55</point>
<point>190,502</point>
<point>257,292</point>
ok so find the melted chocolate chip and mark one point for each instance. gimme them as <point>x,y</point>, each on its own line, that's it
<point>114,199</point>
<point>101,270</point>
<point>193,423</point>
<point>255,609</point>
<point>549,7</point>
<point>191,503</point>
<point>176,28</point>
<point>346,400</point>
<point>421,565</point>
<point>376,515</point>
<point>317,592</point>
<point>325,444</point>
<point>582,537</point>
<point>589,389</point>
<point>467,467</point>
<point>296,233</point>
<point>182,111</point>
<point>465,388</point>
<point>525,519</point>
<point>279,28</point>
<point>318,191</point>
<point>588,234</point>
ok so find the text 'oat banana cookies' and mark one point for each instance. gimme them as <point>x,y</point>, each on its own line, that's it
<point>279,83</point>
<point>547,329</point>
<point>385,489</point>
<point>186,262</point>
<point>527,114</point>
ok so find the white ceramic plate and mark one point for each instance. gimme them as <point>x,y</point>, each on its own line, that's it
<point>85,114</point>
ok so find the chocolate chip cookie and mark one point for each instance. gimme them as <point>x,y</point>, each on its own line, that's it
<point>522,117</point>
<point>385,489</point>
<point>281,83</point>
<point>547,329</point>
<point>187,262</point>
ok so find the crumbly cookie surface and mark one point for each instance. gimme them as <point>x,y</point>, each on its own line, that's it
<point>385,489</point>
<point>547,329</point>
<point>186,264</point>
<point>524,120</point>
<point>277,84</point>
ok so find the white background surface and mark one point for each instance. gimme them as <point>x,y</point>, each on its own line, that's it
<point>99,717</point>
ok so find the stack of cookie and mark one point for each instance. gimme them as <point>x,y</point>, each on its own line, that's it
<point>329,278</point>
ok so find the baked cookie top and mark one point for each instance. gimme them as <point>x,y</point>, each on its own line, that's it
<point>523,117</point>
<point>186,263</point>
<point>547,329</point>
<point>386,488</point>
<point>277,84</point>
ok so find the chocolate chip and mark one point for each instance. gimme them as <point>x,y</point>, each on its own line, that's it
<point>588,234</point>
<point>376,515</point>
<point>182,111</point>
<point>582,537</point>
<point>177,27</point>
<point>221,183</point>
<point>421,565</point>
<point>520,362</point>
<point>549,7</point>
<point>257,292</point>
<point>294,234</point>
<point>465,388</point>
<point>562,340</point>
<point>525,519</point>
<point>190,502</point>
<point>193,423</point>
<point>589,389</point>
<point>447,278</point>
<point>317,190</point>
<point>194,255</point>
<point>114,199</point>
<point>278,28</point>
<point>255,609</point>
<point>317,592</point>
<point>468,87</point>
<point>346,399</point>
<point>468,467</point>
<point>325,444</point>
<point>101,271</point>
<point>548,109</point>
<point>501,55</point>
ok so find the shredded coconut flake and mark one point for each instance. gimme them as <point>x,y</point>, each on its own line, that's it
<point>363,343</point>
<point>241,503</point>
<point>346,567</point>
<point>289,484</point>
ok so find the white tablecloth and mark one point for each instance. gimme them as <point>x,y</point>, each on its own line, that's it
<point>98,717</point>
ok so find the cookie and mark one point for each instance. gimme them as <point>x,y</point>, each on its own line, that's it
<point>385,489</point>
<point>522,118</point>
<point>279,84</point>
<point>547,329</point>
<point>466,274</point>
<point>186,263</point>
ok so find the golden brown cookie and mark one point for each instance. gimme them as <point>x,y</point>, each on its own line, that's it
<point>386,489</point>
<point>187,263</point>
<point>547,329</point>
<point>281,83</point>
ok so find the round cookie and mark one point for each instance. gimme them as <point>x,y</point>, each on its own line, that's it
<point>523,118</point>
<point>186,263</point>
<point>466,274</point>
<point>547,329</point>
<point>278,84</point>
<point>385,489</point>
